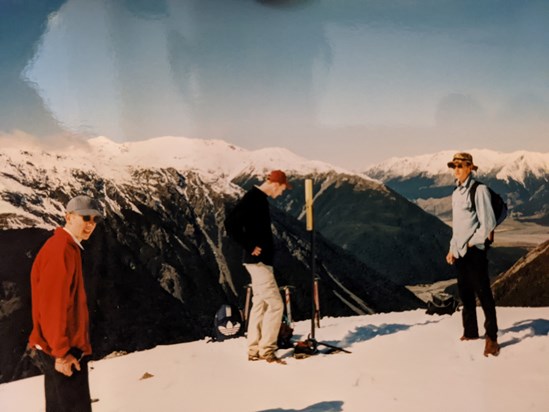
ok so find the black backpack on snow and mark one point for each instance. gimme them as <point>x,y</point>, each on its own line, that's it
<point>498,205</point>
<point>442,304</point>
<point>227,323</point>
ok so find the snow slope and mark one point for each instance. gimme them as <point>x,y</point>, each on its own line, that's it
<point>405,361</point>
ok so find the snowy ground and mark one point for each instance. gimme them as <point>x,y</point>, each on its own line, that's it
<point>406,361</point>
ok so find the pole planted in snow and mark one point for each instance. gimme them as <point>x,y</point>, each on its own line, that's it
<point>310,228</point>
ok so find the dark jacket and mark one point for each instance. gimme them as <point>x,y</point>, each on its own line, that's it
<point>249,223</point>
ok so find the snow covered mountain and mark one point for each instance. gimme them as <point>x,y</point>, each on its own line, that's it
<point>522,177</point>
<point>215,163</point>
<point>161,264</point>
<point>515,166</point>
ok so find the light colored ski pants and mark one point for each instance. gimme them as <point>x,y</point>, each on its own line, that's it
<point>266,313</point>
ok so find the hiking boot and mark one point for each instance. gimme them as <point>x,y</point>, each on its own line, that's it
<point>492,347</point>
<point>253,358</point>
<point>465,338</point>
<point>272,358</point>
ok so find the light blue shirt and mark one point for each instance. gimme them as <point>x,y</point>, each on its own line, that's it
<point>468,226</point>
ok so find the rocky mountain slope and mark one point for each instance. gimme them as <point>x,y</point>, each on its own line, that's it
<point>526,283</point>
<point>374,223</point>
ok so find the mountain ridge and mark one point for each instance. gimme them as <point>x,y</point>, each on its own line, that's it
<point>521,177</point>
<point>503,166</point>
<point>217,162</point>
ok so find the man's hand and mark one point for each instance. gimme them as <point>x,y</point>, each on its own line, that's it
<point>450,258</point>
<point>64,365</point>
<point>256,251</point>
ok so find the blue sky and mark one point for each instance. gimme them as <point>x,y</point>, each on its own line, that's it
<point>351,82</point>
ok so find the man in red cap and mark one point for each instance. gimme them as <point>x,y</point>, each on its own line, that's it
<point>471,227</point>
<point>60,341</point>
<point>249,223</point>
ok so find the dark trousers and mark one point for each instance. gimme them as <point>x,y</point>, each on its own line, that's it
<point>473,281</point>
<point>64,393</point>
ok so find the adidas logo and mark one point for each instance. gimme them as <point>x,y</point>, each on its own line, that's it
<point>229,329</point>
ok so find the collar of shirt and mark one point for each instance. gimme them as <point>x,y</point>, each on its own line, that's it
<point>75,239</point>
<point>465,185</point>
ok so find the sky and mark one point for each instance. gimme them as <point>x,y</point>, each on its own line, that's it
<point>399,362</point>
<point>350,82</point>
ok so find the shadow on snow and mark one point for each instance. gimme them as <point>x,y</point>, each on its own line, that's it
<point>364,333</point>
<point>529,328</point>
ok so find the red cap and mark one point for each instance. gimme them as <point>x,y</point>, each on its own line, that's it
<point>278,176</point>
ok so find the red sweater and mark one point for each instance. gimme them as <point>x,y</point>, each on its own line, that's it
<point>59,306</point>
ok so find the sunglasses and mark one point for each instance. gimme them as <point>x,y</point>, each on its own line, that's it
<point>459,166</point>
<point>89,218</point>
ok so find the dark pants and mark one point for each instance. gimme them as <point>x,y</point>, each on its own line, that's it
<point>64,393</point>
<point>473,280</point>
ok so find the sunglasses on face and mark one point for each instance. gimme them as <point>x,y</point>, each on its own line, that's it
<point>459,166</point>
<point>89,218</point>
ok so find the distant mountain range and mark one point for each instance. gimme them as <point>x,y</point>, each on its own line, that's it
<point>521,177</point>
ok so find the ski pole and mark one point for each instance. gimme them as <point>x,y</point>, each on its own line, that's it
<point>247,305</point>
<point>310,228</point>
<point>287,298</point>
<point>316,302</point>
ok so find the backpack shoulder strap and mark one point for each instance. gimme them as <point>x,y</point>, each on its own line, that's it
<point>472,193</point>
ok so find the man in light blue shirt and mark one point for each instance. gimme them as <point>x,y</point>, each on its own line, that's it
<point>472,226</point>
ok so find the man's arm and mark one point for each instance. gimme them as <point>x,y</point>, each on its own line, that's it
<point>452,250</point>
<point>485,216</point>
<point>236,222</point>
<point>56,277</point>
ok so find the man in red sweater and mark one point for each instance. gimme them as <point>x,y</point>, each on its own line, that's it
<point>60,337</point>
